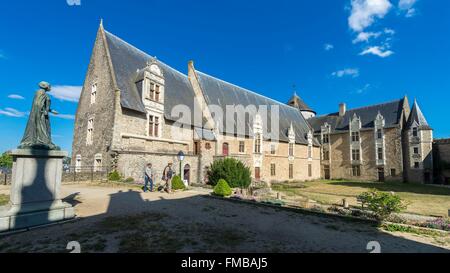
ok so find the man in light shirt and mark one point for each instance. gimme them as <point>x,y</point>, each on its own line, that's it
<point>148,178</point>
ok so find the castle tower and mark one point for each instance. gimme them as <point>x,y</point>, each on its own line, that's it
<point>297,102</point>
<point>419,140</point>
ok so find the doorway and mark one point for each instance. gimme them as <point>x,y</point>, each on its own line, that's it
<point>381,177</point>
<point>327,173</point>
<point>187,173</point>
<point>258,173</point>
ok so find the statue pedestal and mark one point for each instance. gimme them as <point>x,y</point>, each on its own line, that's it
<point>35,197</point>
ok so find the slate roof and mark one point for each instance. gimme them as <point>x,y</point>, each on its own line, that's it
<point>128,61</point>
<point>416,116</point>
<point>221,93</point>
<point>391,111</point>
<point>296,101</point>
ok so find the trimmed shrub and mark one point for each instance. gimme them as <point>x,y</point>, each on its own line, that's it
<point>114,176</point>
<point>129,180</point>
<point>382,204</point>
<point>231,170</point>
<point>222,188</point>
<point>177,183</point>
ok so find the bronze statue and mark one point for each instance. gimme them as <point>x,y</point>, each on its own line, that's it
<point>38,134</point>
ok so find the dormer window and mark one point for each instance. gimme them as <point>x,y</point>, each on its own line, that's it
<point>355,136</point>
<point>326,139</point>
<point>154,92</point>
<point>291,149</point>
<point>258,144</point>
<point>415,132</point>
<point>379,134</point>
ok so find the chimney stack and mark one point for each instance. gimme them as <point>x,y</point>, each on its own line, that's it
<point>342,109</point>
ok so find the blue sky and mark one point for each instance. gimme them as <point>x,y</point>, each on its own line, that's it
<point>355,51</point>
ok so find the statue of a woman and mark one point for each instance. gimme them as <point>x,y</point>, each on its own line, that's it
<point>38,133</point>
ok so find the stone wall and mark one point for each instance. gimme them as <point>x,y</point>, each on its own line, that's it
<point>340,156</point>
<point>99,71</point>
<point>441,151</point>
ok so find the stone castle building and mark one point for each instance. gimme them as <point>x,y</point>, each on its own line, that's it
<point>134,110</point>
<point>129,114</point>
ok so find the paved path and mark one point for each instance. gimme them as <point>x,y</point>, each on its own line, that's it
<point>190,222</point>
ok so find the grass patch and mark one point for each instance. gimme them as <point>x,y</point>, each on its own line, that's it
<point>409,229</point>
<point>421,199</point>
<point>4,199</point>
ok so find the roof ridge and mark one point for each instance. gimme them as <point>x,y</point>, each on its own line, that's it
<point>143,52</point>
<point>245,89</point>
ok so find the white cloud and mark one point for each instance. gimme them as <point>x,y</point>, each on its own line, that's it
<point>364,13</point>
<point>366,36</point>
<point>363,90</point>
<point>64,116</point>
<point>11,112</point>
<point>66,92</point>
<point>378,51</point>
<point>353,72</point>
<point>408,6</point>
<point>16,97</point>
<point>328,47</point>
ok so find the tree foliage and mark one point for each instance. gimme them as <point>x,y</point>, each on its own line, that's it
<point>177,183</point>
<point>222,188</point>
<point>6,161</point>
<point>231,170</point>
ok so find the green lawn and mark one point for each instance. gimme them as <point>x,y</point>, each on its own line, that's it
<point>421,199</point>
<point>4,199</point>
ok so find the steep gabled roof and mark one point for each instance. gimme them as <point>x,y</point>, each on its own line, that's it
<point>391,111</point>
<point>127,60</point>
<point>297,102</point>
<point>221,93</point>
<point>417,118</point>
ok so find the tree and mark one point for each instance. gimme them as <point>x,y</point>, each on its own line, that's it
<point>231,170</point>
<point>6,161</point>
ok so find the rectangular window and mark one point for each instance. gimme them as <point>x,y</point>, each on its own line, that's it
<point>156,126</point>
<point>355,136</point>
<point>273,171</point>
<point>309,170</point>
<point>356,170</point>
<point>326,155</point>
<point>152,91</point>
<point>151,125</point>
<point>415,132</point>
<point>416,165</point>
<point>291,149</point>
<point>258,144</point>
<point>78,164</point>
<point>393,172</point>
<point>273,149</point>
<point>291,171</point>
<point>380,153</point>
<point>196,148</point>
<point>379,134</point>
<point>326,139</point>
<point>98,163</point>
<point>310,155</point>
<point>356,155</point>
<point>416,150</point>
<point>90,132</point>
<point>157,92</point>
<point>241,146</point>
<point>94,93</point>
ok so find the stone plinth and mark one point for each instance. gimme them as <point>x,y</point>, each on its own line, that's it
<point>35,197</point>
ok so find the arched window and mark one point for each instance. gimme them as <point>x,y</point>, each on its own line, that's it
<point>225,149</point>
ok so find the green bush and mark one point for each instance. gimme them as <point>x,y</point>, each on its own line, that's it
<point>129,180</point>
<point>222,188</point>
<point>114,176</point>
<point>382,204</point>
<point>177,183</point>
<point>231,170</point>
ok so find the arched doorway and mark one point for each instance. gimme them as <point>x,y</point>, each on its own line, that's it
<point>187,173</point>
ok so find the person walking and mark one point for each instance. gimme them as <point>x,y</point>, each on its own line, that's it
<point>148,177</point>
<point>167,177</point>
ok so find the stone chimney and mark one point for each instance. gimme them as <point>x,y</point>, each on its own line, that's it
<point>342,109</point>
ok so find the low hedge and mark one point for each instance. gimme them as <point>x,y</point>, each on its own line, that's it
<point>222,188</point>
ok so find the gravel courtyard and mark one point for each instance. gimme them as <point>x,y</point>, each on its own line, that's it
<point>121,219</point>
